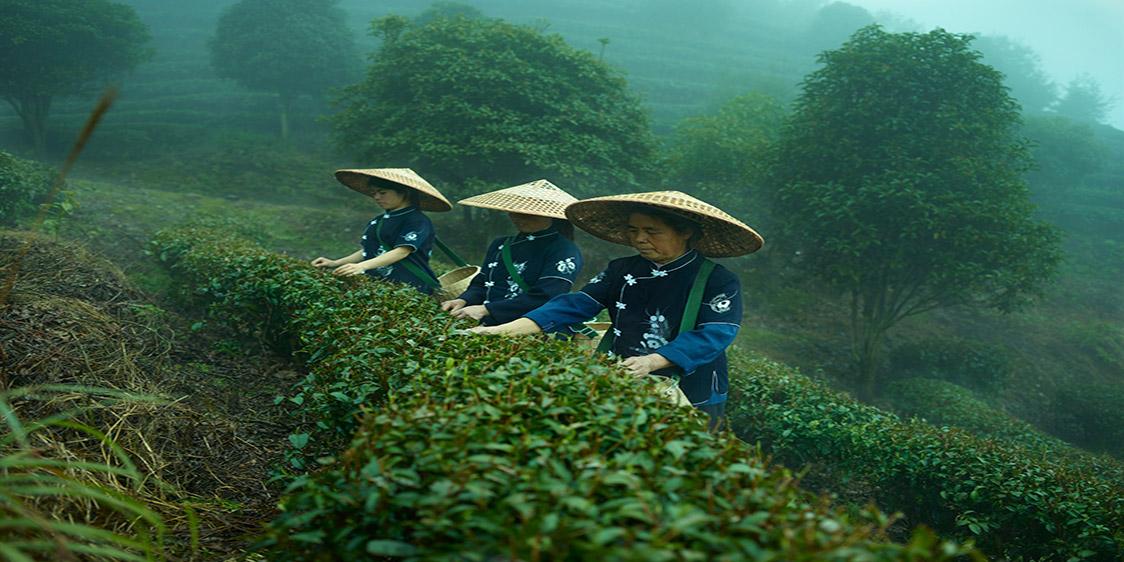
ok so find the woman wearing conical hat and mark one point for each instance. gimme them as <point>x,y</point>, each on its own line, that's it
<point>657,327</point>
<point>397,243</point>
<point>522,271</point>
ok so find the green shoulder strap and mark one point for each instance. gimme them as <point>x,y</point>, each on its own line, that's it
<point>405,262</point>
<point>511,271</point>
<point>457,260</point>
<point>690,312</point>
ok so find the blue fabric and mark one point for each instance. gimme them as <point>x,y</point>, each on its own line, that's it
<point>646,303</point>
<point>548,263</point>
<point>409,228</point>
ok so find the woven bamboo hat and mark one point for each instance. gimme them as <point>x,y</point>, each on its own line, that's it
<point>429,198</point>
<point>540,198</point>
<point>723,236</point>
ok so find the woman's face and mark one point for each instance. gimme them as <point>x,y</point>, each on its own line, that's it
<point>529,223</point>
<point>389,199</point>
<point>655,239</point>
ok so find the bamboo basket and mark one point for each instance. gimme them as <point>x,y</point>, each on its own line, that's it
<point>455,282</point>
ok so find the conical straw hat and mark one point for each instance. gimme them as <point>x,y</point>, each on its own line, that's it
<point>430,199</point>
<point>723,236</point>
<point>540,198</point>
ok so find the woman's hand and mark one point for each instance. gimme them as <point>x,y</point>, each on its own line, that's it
<point>484,330</point>
<point>644,364</point>
<point>453,305</point>
<point>323,262</point>
<point>348,270</point>
<point>475,312</point>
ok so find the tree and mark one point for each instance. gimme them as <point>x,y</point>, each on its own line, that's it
<point>55,48</point>
<point>1022,71</point>
<point>446,9</point>
<point>483,100</point>
<point>899,176</point>
<point>834,23</point>
<point>722,156</point>
<point>287,47</point>
<point>1065,153</point>
<point>1083,101</point>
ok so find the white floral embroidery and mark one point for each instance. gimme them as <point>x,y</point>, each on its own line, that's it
<point>621,305</point>
<point>616,332</point>
<point>658,332</point>
<point>489,284</point>
<point>519,267</point>
<point>364,253</point>
<point>492,265</point>
<point>597,278</point>
<point>567,266</point>
<point>659,273</point>
<point>410,236</point>
<point>530,237</point>
<point>721,304</point>
<point>364,236</point>
<point>630,279</point>
<point>487,301</point>
<point>386,216</point>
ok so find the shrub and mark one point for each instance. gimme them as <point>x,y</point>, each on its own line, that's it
<point>1015,506</point>
<point>467,453</point>
<point>1097,409</point>
<point>964,362</point>
<point>943,403</point>
<point>24,185</point>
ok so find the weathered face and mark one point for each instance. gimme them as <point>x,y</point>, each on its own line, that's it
<point>655,239</point>
<point>390,199</point>
<point>529,223</point>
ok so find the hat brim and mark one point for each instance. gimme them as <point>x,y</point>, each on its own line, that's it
<point>607,219</point>
<point>429,199</point>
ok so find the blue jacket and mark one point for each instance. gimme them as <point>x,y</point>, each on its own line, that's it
<point>407,227</point>
<point>547,261</point>
<point>646,302</point>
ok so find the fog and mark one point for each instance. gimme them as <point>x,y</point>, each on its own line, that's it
<point>1072,37</point>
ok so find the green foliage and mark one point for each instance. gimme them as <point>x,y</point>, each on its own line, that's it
<point>288,47</point>
<point>1018,506</point>
<point>1083,101</point>
<point>445,9</point>
<point>1065,153</point>
<point>899,178</point>
<point>943,403</point>
<point>1022,71</point>
<point>472,448</point>
<point>51,48</point>
<point>724,155</point>
<point>961,361</point>
<point>481,99</point>
<point>24,185</point>
<point>1097,411</point>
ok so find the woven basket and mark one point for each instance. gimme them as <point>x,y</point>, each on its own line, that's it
<point>455,282</point>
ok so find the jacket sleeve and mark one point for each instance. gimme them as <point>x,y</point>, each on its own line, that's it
<point>415,233</point>
<point>560,266</point>
<point>562,311</point>
<point>718,323</point>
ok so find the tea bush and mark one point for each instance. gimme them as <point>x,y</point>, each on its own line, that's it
<point>473,448</point>
<point>1017,506</point>
<point>24,185</point>
<point>943,403</point>
<point>964,362</point>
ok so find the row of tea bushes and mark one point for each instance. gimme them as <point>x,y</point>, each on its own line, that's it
<point>1015,506</point>
<point>473,448</point>
<point>943,403</point>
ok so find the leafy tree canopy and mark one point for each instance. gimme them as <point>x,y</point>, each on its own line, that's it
<point>1022,71</point>
<point>900,177</point>
<point>723,156</point>
<point>478,99</point>
<point>51,48</point>
<point>445,9</point>
<point>1065,152</point>
<point>287,47</point>
<point>1084,101</point>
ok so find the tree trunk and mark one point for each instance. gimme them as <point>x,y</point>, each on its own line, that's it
<point>867,329</point>
<point>286,104</point>
<point>33,112</point>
